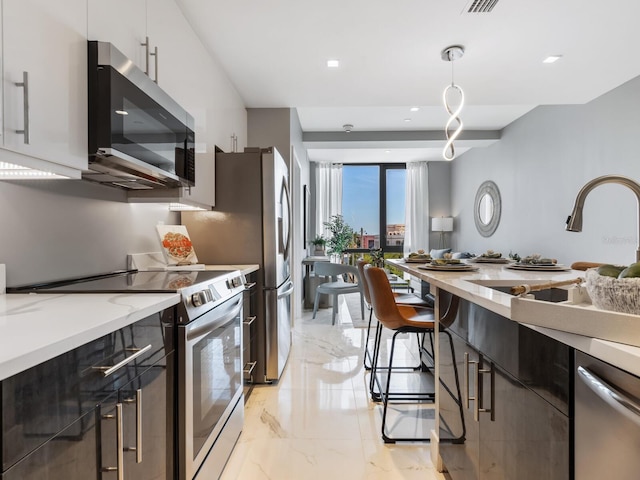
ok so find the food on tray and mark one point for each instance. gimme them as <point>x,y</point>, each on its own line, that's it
<point>537,259</point>
<point>419,255</point>
<point>445,261</point>
<point>491,254</point>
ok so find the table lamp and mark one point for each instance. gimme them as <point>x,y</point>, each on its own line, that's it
<point>442,224</point>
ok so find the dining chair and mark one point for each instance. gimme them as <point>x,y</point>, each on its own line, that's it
<point>400,298</point>
<point>337,285</point>
<point>402,319</point>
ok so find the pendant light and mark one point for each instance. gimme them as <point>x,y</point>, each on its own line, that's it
<point>450,54</point>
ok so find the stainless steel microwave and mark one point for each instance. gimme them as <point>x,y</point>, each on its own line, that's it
<point>139,137</point>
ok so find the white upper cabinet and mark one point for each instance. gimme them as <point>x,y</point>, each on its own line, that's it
<point>44,66</point>
<point>122,23</point>
<point>202,195</point>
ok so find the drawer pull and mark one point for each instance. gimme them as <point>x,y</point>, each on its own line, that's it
<point>138,448</point>
<point>249,321</point>
<point>119,443</point>
<point>106,371</point>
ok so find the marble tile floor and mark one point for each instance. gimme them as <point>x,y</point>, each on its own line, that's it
<point>317,422</point>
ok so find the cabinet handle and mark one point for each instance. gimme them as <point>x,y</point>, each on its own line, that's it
<point>106,371</point>
<point>119,443</point>
<point>467,396</point>
<point>146,46</point>
<point>155,54</point>
<point>249,321</point>
<point>25,106</point>
<point>138,448</point>
<point>478,407</point>
<point>249,286</point>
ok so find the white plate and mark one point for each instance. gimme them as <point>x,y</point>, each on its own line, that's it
<point>449,268</point>
<point>558,267</point>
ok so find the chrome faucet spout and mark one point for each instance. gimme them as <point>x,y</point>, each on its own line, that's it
<point>574,221</point>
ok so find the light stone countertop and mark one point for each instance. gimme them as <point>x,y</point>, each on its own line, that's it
<point>462,284</point>
<point>244,269</point>
<point>36,327</point>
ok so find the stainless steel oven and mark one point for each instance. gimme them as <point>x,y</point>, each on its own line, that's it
<point>210,389</point>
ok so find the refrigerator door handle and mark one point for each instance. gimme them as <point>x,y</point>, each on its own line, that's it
<point>285,236</point>
<point>287,292</point>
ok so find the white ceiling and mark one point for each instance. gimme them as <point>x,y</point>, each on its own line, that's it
<point>275,53</point>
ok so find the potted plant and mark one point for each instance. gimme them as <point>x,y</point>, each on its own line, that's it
<point>341,235</point>
<point>318,245</point>
<point>377,257</point>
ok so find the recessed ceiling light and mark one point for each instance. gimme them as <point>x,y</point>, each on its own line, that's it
<point>122,112</point>
<point>414,109</point>
<point>387,151</point>
<point>333,63</point>
<point>552,58</point>
<point>407,120</point>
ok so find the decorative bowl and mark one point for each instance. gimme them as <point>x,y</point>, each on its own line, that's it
<point>615,294</point>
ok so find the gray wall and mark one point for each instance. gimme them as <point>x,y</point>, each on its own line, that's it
<point>52,229</point>
<point>540,164</point>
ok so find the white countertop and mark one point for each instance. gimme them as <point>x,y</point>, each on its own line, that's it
<point>244,269</point>
<point>36,327</point>
<point>462,284</point>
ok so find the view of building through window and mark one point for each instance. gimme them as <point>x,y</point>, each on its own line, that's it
<point>364,188</point>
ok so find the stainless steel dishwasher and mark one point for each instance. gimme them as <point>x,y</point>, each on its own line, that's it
<point>607,421</point>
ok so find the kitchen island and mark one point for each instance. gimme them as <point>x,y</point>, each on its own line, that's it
<point>475,286</point>
<point>506,397</point>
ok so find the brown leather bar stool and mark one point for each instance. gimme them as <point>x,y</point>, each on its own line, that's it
<point>400,298</point>
<point>400,319</point>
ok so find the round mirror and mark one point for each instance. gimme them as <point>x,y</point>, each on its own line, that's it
<point>487,208</point>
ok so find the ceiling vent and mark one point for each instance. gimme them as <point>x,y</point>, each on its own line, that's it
<point>481,6</point>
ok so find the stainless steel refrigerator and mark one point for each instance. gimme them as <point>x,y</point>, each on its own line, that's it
<point>251,224</point>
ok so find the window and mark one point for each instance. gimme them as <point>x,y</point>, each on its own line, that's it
<point>373,203</point>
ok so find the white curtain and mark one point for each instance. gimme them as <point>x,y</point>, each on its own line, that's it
<point>328,194</point>
<point>416,230</point>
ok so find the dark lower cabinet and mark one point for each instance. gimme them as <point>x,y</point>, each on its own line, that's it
<point>503,426</point>
<point>61,419</point>
<point>70,455</point>
<point>146,424</point>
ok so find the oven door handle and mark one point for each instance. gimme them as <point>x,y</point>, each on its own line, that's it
<point>611,395</point>
<point>201,328</point>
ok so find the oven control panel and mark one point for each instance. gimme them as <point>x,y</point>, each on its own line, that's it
<point>200,298</point>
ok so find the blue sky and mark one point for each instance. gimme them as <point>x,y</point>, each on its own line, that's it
<point>361,200</point>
